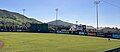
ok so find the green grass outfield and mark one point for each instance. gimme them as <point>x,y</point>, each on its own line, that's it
<point>46,42</point>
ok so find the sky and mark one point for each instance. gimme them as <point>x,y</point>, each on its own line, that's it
<point>71,11</point>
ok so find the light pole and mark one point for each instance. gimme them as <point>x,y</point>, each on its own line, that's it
<point>23,15</point>
<point>76,22</point>
<point>23,11</point>
<point>97,12</point>
<point>56,18</point>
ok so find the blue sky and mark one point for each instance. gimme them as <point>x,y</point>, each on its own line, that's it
<point>82,11</point>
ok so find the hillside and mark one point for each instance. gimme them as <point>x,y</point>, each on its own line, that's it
<point>67,25</point>
<point>13,18</point>
<point>60,23</point>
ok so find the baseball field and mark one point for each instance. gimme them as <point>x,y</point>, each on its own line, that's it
<point>50,42</point>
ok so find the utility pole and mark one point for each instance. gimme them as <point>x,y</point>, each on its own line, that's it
<point>97,12</point>
<point>56,18</point>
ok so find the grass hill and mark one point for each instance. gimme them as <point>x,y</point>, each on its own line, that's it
<point>60,23</point>
<point>13,18</point>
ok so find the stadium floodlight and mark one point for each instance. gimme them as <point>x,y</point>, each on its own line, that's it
<point>97,12</point>
<point>56,18</point>
<point>24,14</point>
<point>76,22</point>
<point>23,11</point>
